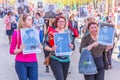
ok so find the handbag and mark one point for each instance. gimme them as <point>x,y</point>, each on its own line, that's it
<point>105,60</point>
<point>13,25</point>
<point>86,63</point>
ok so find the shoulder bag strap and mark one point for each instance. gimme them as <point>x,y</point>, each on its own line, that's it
<point>17,37</point>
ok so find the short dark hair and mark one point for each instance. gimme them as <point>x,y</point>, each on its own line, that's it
<point>9,12</point>
<point>38,14</point>
<point>90,23</point>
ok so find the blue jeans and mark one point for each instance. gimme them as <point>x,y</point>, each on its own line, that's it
<point>27,70</point>
<point>41,36</point>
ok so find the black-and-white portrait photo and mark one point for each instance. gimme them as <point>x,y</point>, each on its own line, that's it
<point>40,5</point>
<point>83,12</point>
<point>50,13</point>
<point>23,8</point>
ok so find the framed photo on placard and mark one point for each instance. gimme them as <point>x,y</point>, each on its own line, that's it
<point>22,7</point>
<point>106,34</point>
<point>50,13</point>
<point>30,38</point>
<point>83,12</point>
<point>62,42</point>
<point>40,5</point>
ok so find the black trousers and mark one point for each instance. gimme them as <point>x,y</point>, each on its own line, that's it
<point>59,69</point>
<point>46,53</point>
<point>73,42</point>
<point>98,76</point>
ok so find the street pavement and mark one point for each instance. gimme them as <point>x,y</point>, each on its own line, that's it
<point>7,62</point>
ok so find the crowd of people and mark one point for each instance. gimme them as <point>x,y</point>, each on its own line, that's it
<point>45,23</point>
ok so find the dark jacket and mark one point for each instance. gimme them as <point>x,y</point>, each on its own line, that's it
<point>75,24</point>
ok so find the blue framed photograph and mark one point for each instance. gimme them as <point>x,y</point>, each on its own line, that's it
<point>30,38</point>
<point>106,34</point>
<point>62,42</point>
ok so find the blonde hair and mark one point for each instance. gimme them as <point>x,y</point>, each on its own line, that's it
<point>20,23</point>
<point>22,19</point>
<point>71,16</point>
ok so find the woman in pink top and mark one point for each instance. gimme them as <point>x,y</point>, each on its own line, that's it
<point>26,65</point>
<point>7,21</point>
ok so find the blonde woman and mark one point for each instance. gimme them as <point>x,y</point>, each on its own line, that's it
<point>25,65</point>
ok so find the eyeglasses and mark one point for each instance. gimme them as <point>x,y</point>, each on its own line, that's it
<point>61,21</point>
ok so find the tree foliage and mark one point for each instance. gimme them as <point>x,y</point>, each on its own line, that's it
<point>72,2</point>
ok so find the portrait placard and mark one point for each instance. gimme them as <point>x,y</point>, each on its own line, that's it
<point>40,5</point>
<point>62,42</point>
<point>83,12</point>
<point>106,34</point>
<point>30,38</point>
<point>117,21</point>
<point>50,13</point>
<point>22,7</point>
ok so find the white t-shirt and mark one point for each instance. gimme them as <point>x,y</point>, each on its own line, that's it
<point>39,22</point>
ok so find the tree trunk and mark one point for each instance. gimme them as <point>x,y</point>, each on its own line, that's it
<point>95,4</point>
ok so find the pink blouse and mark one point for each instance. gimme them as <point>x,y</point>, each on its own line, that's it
<point>20,56</point>
<point>7,21</point>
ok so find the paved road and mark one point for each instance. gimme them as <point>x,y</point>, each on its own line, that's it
<point>7,71</point>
